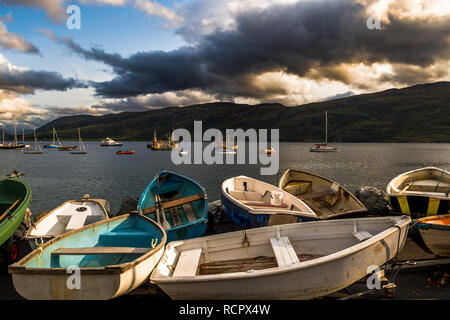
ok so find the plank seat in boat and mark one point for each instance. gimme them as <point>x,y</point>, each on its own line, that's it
<point>175,203</point>
<point>187,263</point>
<point>100,250</point>
<point>263,204</point>
<point>284,252</point>
<point>76,221</point>
<point>317,194</point>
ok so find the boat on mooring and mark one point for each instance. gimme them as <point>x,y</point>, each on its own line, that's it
<point>176,202</point>
<point>81,147</point>
<point>126,152</point>
<point>15,196</point>
<point>8,146</point>
<point>69,216</point>
<point>37,148</point>
<point>435,232</point>
<point>327,198</point>
<point>108,142</point>
<point>420,193</point>
<point>252,203</point>
<point>324,147</point>
<point>113,257</point>
<point>53,145</point>
<point>294,261</point>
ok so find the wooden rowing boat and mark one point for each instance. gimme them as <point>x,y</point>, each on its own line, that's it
<point>15,196</point>
<point>327,198</point>
<point>250,203</point>
<point>101,261</point>
<point>126,152</point>
<point>69,216</point>
<point>420,193</point>
<point>294,261</point>
<point>178,203</point>
<point>435,232</point>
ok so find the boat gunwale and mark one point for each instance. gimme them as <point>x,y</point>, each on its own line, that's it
<point>283,177</point>
<point>423,223</point>
<point>400,223</point>
<point>19,267</point>
<point>34,224</point>
<point>272,211</point>
<point>24,202</point>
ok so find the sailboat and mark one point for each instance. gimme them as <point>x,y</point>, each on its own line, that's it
<point>53,145</point>
<point>14,145</point>
<point>323,147</point>
<point>37,148</point>
<point>82,148</point>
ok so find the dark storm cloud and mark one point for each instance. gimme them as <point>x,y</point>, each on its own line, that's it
<point>27,81</point>
<point>296,39</point>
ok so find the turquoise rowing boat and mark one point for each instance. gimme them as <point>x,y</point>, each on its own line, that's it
<point>177,203</point>
<point>15,196</point>
<point>100,261</point>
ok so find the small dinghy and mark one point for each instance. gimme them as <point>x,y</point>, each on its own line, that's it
<point>69,216</point>
<point>15,196</point>
<point>176,202</point>
<point>126,152</point>
<point>420,193</point>
<point>101,261</point>
<point>435,232</point>
<point>251,203</point>
<point>327,198</point>
<point>294,261</point>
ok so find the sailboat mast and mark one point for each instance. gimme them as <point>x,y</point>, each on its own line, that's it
<point>23,136</point>
<point>326,127</point>
<point>35,139</point>
<point>15,133</point>
<point>3,134</point>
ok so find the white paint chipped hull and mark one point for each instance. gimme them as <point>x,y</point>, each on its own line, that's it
<point>341,259</point>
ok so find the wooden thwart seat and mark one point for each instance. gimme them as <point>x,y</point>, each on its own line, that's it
<point>100,250</point>
<point>284,252</point>
<point>175,203</point>
<point>187,263</point>
<point>317,194</point>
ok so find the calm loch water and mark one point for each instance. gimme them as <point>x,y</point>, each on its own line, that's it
<point>56,177</point>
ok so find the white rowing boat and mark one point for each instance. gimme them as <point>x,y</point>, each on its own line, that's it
<point>294,261</point>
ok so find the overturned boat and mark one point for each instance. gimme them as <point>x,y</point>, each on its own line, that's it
<point>420,193</point>
<point>294,261</point>
<point>252,203</point>
<point>327,198</point>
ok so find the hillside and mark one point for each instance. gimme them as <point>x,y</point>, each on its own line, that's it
<point>419,113</point>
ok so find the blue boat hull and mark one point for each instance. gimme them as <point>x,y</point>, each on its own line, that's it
<point>247,220</point>
<point>176,183</point>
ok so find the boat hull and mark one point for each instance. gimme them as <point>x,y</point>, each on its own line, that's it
<point>436,236</point>
<point>327,198</point>
<point>51,146</point>
<point>42,276</point>
<point>305,280</point>
<point>10,190</point>
<point>420,193</point>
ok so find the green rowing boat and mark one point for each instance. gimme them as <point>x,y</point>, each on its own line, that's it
<point>15,195</point>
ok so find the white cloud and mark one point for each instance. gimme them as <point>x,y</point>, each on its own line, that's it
<point>9,40</point>
<point>153,8</point>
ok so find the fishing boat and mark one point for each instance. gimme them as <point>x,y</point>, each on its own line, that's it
<point>112,257</point>
<point>53,145</point>
<point>161,145</point>
<point>126,152</point>
<point>420,193</point>
<point>324,147</point>
<point>294,261</point>
<point>327,198</point>
<point>81,147</point>
<point>37,148</point>
<point>69,216</point>
<point>108,142</point>
<point>8,146</point>
<point>15,196</point>
<point>176,202</point>
<point>251,203</point>
<point>435,232</point>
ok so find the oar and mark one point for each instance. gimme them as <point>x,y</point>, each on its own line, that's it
<point>9,209</point>
<point>165,224</point>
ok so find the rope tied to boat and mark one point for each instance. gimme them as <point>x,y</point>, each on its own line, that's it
<point>39,245</point>
<point>154,242</point>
